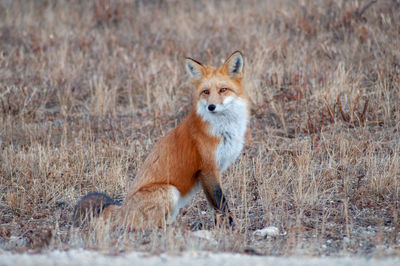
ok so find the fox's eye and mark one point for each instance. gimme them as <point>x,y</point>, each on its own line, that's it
<point>222,89</point>
<point>206,92</point>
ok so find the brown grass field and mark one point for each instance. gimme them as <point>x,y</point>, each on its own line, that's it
<point>88,87</point>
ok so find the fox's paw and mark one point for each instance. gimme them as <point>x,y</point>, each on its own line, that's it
<point>224,220</point>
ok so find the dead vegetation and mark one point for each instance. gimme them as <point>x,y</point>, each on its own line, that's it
<point>86,88</point>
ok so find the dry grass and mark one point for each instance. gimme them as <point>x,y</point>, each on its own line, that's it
<point>86,88</point>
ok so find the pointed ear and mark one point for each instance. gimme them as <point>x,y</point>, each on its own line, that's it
<point>194,68</point>
<point>234,64</point>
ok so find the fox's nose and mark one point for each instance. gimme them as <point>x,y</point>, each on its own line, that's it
<point>211,107</point>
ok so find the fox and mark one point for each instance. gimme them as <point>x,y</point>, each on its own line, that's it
<point>191,157</point>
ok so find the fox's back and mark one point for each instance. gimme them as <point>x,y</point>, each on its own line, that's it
<point>175,159</point>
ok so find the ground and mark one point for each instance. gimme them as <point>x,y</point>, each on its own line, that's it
<point>85,257</point>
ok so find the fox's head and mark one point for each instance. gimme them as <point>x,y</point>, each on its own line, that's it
<point>218,90</point>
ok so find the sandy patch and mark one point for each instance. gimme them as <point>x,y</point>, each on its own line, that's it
<point>90,258</point>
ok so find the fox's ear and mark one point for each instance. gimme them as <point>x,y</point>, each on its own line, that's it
<point>194,68</point>
<point>234,64</point>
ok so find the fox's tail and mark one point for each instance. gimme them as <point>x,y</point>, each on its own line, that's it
<point>91,206</point>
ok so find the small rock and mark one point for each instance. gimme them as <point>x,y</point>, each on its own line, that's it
<point>267,231</point>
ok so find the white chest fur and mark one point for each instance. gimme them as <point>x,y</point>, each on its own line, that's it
<point>230,124</point>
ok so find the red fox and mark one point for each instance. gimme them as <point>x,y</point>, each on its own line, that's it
<point>191,156</point>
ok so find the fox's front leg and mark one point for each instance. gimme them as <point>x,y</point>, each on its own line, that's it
<point>211,184</point>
